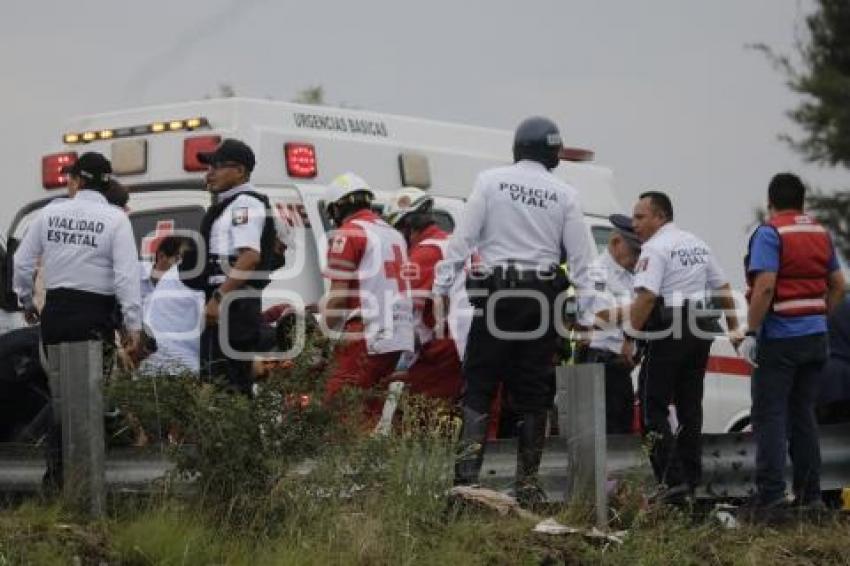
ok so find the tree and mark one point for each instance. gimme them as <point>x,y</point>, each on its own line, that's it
<point>822,78</point>
<point>226,90</point>
<point>311,95</point>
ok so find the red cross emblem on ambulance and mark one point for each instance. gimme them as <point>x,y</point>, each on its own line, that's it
<point>151,241</point>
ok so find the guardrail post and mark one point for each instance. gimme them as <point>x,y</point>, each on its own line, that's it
<point>580,399</point>
<point>81,415</point>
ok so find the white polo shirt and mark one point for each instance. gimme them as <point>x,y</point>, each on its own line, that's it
<point>523,214</point>
<point>677,266</point>
<point>239,226</point>
<point>85,244</point>
<point>612,287</point>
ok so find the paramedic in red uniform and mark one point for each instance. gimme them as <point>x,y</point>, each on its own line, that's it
<point>795,281</point>
<point>368,306</point>
<point>434,370</point>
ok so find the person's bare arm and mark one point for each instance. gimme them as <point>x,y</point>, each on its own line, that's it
<point>835,292</point>
<point>727,303</point>
<point>246,262</point>
<point>641,307</point>
<point>764,286</point>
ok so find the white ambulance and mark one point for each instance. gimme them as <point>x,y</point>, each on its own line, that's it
<point>299,149</point>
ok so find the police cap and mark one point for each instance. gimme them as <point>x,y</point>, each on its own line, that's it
<point>623,225</point>
<point>92,166</point>
<point>229,150</point>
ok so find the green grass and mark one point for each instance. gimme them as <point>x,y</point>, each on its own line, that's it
<point>366,501</point>
<point>363,534</point>
<point>386,514</point>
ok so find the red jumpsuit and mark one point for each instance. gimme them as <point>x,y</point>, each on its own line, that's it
<point>436,372</point>
<point>353,365</point>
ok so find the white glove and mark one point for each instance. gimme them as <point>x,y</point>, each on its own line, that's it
<point>749,350</point>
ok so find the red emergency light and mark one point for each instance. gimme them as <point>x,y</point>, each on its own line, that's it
<point>51,169</point>
<point>300,160</point>
<point>192,146</point>
<point>575,154</point>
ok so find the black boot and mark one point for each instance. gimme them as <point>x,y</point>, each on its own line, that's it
<point>532,435</point>
<point>470,453</point>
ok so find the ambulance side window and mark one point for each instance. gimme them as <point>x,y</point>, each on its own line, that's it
<point>323,214</point>
<point>601,234</point>
<point>149,224</point>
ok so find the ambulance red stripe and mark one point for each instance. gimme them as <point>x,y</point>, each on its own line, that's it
<point>729,365</point>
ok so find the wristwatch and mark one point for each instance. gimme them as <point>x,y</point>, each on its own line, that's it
<point>218,295</point>
<point>751,333</point>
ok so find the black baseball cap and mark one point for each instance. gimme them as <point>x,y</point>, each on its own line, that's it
<point>229,150</point>
<point>623,225</point>
<point>92,166</point>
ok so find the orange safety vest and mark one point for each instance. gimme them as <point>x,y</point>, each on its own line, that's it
<point>805,250</point>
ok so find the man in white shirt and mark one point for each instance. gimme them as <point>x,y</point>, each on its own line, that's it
<point>675,278</point>
<point>233,230</point>
<point>612,276</point>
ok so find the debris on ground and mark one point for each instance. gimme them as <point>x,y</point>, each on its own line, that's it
<point>551,526</point>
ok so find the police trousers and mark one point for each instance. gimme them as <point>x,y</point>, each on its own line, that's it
<point>238,328</point>
<point>672,373</point>
<point>619,391</point>
<point>512,342</point>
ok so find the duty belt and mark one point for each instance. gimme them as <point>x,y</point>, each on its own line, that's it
<point>215,272</point>
<point>662,316</point>
<point>503,277</point>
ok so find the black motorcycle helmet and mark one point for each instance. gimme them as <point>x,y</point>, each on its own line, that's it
<point>538,139</point>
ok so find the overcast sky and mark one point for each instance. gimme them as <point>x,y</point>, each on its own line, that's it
<point>665,91</point>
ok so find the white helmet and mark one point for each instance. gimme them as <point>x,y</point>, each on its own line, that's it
<point>402,199</point>
<point>343,188</point>
<point>421,204</point>
<point>345,185</point>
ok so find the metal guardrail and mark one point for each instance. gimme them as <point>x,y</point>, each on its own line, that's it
<point>576,466</point>
<point>728,462</point>
<point>135,470</point>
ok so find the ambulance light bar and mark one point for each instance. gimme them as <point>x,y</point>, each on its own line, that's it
<point>575,154</point>
<point>187,124</point>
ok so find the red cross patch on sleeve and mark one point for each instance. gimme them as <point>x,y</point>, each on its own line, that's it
<point>338,244</point>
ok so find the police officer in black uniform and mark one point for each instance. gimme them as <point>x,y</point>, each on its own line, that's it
<point>89,259</point>
<point>520,219</point>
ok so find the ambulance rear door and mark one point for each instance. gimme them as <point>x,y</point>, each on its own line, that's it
<point>313,198</point>
<point>299,282</point>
